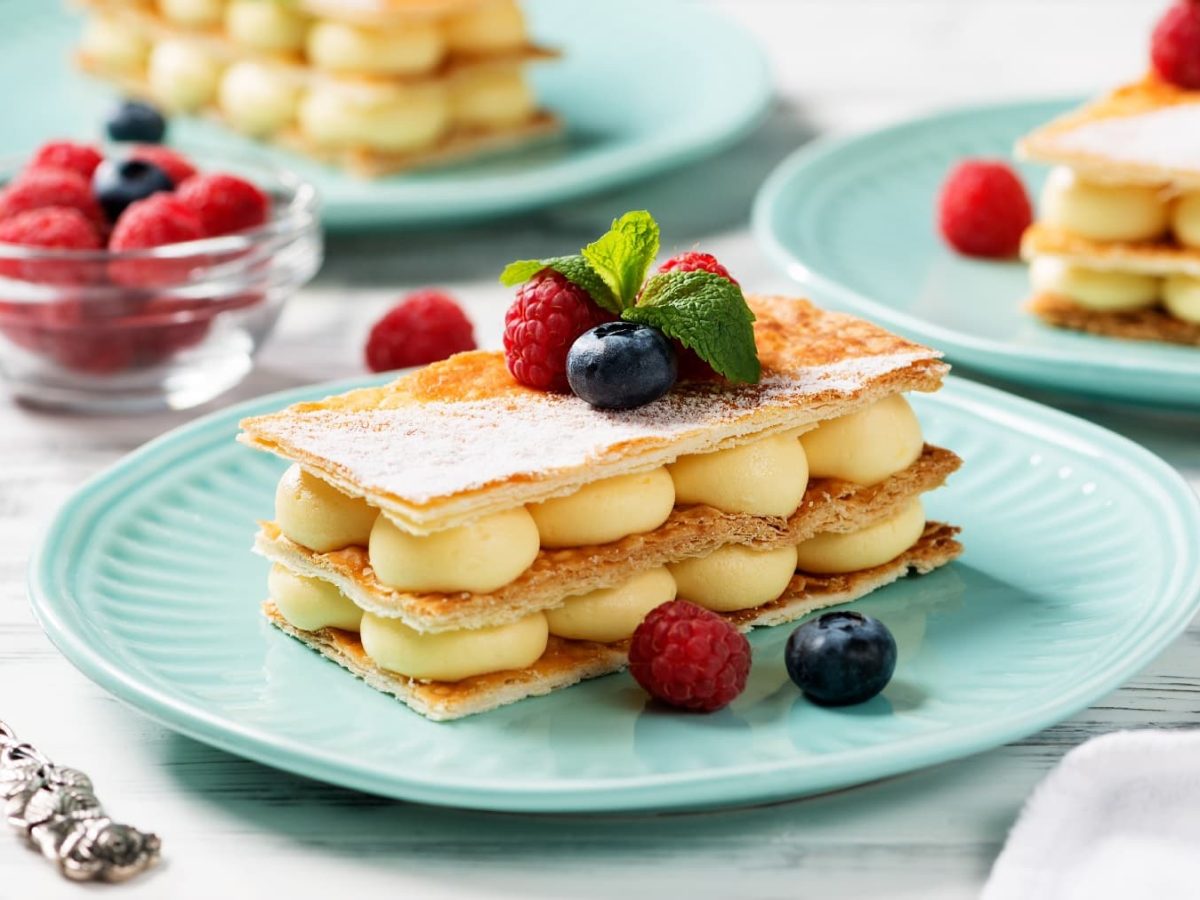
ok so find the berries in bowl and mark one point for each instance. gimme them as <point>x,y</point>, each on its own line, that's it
<point>135,278</point>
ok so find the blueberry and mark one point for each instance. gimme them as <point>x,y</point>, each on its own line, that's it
<point>620,365</point>
<point>118,183</point>
<point>841,658</point>
<point>131,120</point>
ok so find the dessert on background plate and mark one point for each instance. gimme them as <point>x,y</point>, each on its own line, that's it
<point>375,86</point>
<point>501,525</point>
<point>1115,249</point>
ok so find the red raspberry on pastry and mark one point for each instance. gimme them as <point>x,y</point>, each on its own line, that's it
<point>695,261</point>
<point>550,312</point>
<point>177,166</point>
<point>73,156</point>
<point>1175,45</point>
<point>225,203</point>
<point>689,657</point>
<point>983,209</point>
<point>52,228</point>
<point>424,327</point>
<point>42,188</point>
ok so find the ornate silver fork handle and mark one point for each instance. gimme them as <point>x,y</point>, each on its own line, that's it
<point>56,810</point>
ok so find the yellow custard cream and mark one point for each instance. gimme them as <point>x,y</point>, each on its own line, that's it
<point>1101,290</point>
<point>407,50</point>
<point>606,511</point>
<point>834,554</point>
<point>1103,212</point>
<point>257,98</point>
<point>311,603</point>
<point>387,118</point>
<point>1181,297</point>
<point>735,577</point>
<point>316,515</point>
<point>491,98</point>
<point>182,75</point>
<point>192,13</point>
<point>1185,220</point>
<point>492,27</point>
<point>113,46</point>
<point>867,446</point>
<point>612,614</point>
<point>766,477</point>
<point>270,26</point>
<point>453,655</point>
<point>479,557</point>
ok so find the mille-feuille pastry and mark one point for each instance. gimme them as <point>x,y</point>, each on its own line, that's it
<point>377,86</point>
<point>462,541</point>
<point>1115,249</point>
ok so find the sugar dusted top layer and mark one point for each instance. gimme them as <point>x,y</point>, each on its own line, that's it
<point>460,438</point>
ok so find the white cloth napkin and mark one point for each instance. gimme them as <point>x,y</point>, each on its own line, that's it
<point>1118,818</point>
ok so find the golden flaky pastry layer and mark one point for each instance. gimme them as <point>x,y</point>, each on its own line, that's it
<point>1146,257</point>
<point>460,439</point>
<point>555,575</point>
<point>1142,133</point>
<point>567,662</point>
<point>1154,324</point>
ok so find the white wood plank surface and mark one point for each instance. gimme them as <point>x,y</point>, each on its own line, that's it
<point>235,829</point>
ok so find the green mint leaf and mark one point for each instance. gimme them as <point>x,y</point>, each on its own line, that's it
<point>623,255</point>
<point>707,314</point>
<point>574,268</point>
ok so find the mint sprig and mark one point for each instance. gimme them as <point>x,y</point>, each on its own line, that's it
<point>708,315</point>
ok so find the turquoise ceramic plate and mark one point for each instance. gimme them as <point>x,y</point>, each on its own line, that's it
<point>853,220</point>
<point>627,87</point>
<point>1081,565</point>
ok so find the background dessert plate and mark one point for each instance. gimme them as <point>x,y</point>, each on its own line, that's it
<point>1081,564</point>
<point>628,96</point>
<point>853,220</point>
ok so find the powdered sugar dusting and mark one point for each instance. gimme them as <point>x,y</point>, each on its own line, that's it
<point>423,452</point>
<point>1168,137</point>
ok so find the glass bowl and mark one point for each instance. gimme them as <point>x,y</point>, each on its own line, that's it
<point>165,328</point>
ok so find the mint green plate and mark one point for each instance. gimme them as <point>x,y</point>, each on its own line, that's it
<point>1081,565</point>
<point>853,220</point>
<point>629,86</point>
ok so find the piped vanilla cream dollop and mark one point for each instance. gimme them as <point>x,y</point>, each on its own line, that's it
<point>453,655</point>
<point>490,27</point>
<point>316,515</point>
<point>192,13</point>
<point>1181,297</point>
<point>270,26</point>
<point>867,446</point>
<point>257,98</point>
<point>342,47</point>
<point>478,557</point>
<point>387,118</point>
<point>182,76</point>
<point>311,603</point>
<point>491,98</point>
<point>114,46</point>
<point>607,510</point>
<point>612,614</point>
<point>735,577</point>
<point>766,477</point>
<point>831,554</point>
<point>1096,289</point>
<point>1103,212</point>
<point>1185,219</point>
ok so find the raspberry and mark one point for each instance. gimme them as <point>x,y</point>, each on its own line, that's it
<point>40,188</point>
<point>53,228</point>
<point>1175,45</point>
<point>225,203</point>
<point>153,222</point>
<point>549,313</point>
<point>694,261</point>
<point>983,209</point>
<point>81,159</point>
<point>689,657</point>
<point>424,327</point>
<point>176,165</point>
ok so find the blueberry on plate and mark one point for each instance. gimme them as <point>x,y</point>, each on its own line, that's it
<point>120,182</point>
<point>132,120</point>
<point>620,365</point>
<point>841,658</point>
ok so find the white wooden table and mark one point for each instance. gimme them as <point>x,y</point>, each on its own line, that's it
<point>235,829</point>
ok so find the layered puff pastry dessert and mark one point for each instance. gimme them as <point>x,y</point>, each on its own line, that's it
<point>1115,250</point>
<point>462,541</point>
<point>376,86</point>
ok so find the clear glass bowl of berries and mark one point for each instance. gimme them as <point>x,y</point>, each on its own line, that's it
<point>134,278</point>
